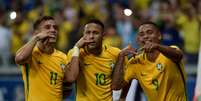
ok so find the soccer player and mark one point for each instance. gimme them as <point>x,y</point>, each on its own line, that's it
<point>95,62</point>
<point>158,68</point>
<point>42,65</point>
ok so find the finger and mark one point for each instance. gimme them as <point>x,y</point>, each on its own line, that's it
<point>84,37</point>
<point>129,45</point>
<point>43,32</point>
<point>46,41</point>
<point>140,49</point>
<point>132,52</point>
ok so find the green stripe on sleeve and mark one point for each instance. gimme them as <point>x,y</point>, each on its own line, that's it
<point>27,78</point>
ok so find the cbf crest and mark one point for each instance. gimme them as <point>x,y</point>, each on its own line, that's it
<point>159,67</point>
<point>112,65</point>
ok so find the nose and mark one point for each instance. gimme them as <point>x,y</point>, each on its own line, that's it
<point>53,30</point>
<point>145,37</point>
<point>91,35</point>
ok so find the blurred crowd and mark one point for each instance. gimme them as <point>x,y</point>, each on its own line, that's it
<point>179,21</point>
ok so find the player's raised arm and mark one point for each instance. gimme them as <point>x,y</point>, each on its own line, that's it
<point>118,74</point>
<point>173,53</point>
<point>24,53</point>
<point>72,68</point>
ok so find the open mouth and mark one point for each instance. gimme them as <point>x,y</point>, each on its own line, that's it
<point>144,41</point>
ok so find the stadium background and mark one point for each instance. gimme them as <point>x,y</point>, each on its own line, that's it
<point>179,21</point>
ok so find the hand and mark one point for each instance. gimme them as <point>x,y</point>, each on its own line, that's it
<point>82,42</point>
<point>150,46</point>
<point>42,36</point>
<point>128,50</point>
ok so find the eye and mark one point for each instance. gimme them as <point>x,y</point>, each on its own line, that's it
<point>140,34</point>
<point>87,32</point>
<point>56,27</point>
<point>47,26</point>
<point>96,32</point>
<point>149,31</point>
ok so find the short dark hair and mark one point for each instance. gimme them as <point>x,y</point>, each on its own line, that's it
<point>151,23</point>
<point>40,20</point>
<point>96,21</point>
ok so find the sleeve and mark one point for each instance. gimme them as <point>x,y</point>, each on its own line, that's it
<point>114,51</point>
<point>130,71</point>
<point>69,56</point>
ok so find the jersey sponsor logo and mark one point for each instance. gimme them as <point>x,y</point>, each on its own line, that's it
<point>142,74</point>
<point>39,62</point>
<point>136,61</point>
<point>86,64</point>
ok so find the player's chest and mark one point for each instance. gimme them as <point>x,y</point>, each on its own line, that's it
<point>153,74</point>
<point>49,63</point>
<point>98,64</point>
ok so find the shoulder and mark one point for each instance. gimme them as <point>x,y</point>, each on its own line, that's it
<point>60,54</point>
<point>137,59</point>
<point>36,51</point>
<point>112,51</point>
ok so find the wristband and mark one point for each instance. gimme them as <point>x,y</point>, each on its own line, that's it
<point>76,51</point>
<point>116,94</point>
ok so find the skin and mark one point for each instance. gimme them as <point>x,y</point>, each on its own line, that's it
<point>44,37</point>
<point>92,41</point>
<point>149,39</point>
<point>92,38</point>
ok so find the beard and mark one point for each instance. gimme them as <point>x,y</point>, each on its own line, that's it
<point>92,46</point>
<point>52,40</point>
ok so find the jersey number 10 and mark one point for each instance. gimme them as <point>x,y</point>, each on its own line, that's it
<point>100,78</point>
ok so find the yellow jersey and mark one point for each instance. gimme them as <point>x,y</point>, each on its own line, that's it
<point>161,80</point>
<point>95,77</point>
<point>43,76</point>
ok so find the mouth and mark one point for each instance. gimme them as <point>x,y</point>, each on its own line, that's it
<point>144,41</point>
<point>92,43</point>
